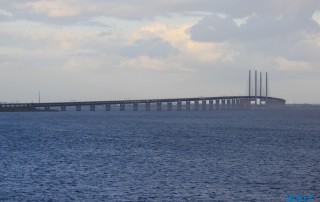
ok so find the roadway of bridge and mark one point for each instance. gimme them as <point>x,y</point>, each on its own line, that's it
<point>137,101</point>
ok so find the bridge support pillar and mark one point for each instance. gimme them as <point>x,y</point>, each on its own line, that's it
<point>188,106</point>
<point>196,105</point>
<point>179,106</point>
<point>169,106</point>
<point>229,104</point>
<point>217,104</point>
<point>245,103</point>
<point>210,104</point>
<point>233,104</point>
<point>63,108</point>
<point>122,107</point>
<point>204,105</point>
<point>108,107</point>
<point>236,103</point>
<point>148,106</point>
<point>240,104</point>
<point>47,108</point>
<point>223,104</point>
<point>159,106</point>
<point>248,104</point>
<point>78,108</point>
<point>135,106</point>
<point>92,108</point>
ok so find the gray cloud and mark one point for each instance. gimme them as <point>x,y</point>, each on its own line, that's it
<point>258,27</point>
<point>271,35</point>
<point>154,47</point>
<point>41,38</point>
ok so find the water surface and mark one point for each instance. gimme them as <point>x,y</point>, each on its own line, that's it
<point>159,156</point>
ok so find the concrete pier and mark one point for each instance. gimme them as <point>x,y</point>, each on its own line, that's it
<point>169,106</point>
<point>135,107</point>
<point>248,103</point>
<point>147,106</point>
<point>236,103</point>
<point>204,105</point>
<point>78,108</point>
<point>159,105</point>
<point>233,104</point>
<point>223,104</point>
<point>122,107</point>
<point>188,106</point>
<point>217,104</point>
<point>63,108</point>
<point>196,105</point>
<point>108,107</point>
<point>210,104</point>
<point>179,106</point>
<point>92,108</point>
<point>229,104</point>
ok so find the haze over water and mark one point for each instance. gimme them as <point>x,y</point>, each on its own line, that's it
<point>160,156</point>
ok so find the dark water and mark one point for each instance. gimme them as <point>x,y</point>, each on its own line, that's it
<point>159,156</point>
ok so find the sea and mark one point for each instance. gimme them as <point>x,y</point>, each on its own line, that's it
<point>227,155</point>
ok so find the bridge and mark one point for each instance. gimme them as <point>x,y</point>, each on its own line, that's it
<point>258,100</point>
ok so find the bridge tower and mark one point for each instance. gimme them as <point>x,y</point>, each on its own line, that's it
<point>255,87</point>
<point>249,82</point>
<point>266,84</point>
<point>258,88</point>
<point>260,94</point>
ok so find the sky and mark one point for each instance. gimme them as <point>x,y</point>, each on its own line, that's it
<point>135,49</point>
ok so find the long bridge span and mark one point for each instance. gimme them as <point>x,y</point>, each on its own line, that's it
<point>196,103</point>
<point>256,100</point>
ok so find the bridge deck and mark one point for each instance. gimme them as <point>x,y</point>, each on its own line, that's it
<point>112,102</point>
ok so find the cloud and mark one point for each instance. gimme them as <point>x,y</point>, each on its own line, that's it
<point>5,13</point>
<point>155,64</point>
<point>79,64</point>
<point>205,40</point>
<point>290,40</point>
<point>316,16</point>
<point>153,47</point>
<point>288,65</point>
<point>9,65</point>
<point>55,8</point>
<point>178,36</point>
<point>254,27</point>
<point>241,21</point>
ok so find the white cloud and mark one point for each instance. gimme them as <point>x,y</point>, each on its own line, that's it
<point>55,8</point>
<point>316,16</point>
<point>241,21</point>
<point>178,36</point>
<point>5,13</point>
<point>289,65</point>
